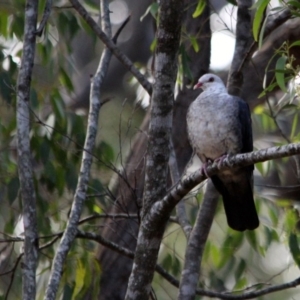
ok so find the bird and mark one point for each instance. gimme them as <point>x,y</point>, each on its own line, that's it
<point>219,125</point>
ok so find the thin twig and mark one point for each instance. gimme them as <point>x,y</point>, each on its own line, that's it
<point>13,271</point>
<point>115,38</point>
<point>274,21</point>
<point>46,15</point>
<point>81,189</point>
<point>285,137</point>
<point>229,296</point>
<point>110,44</point>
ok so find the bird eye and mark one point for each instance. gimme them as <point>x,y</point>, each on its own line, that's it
<point>211,79</point>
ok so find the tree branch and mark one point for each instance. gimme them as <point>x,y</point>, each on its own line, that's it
<point>229,296</point>
<point>81,189</point>
<point>46,15</point>
<point>112,47</point>
<point>243,43</point>
<point>158,150</point>
<point>163,208</point>
<point>196,244</point>
<point>24,155</point>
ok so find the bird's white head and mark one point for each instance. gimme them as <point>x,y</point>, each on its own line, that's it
<point>210,82</point>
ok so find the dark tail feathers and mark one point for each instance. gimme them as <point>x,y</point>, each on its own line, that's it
<point>238,203</point>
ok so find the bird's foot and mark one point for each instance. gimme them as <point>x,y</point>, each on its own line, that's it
<point>220,159</point>
<point>204,168</point>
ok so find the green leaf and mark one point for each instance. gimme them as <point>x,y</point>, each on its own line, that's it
<point>273,214</point>
<point>176,266</point>
<point>230,246</point>
<point>294,4</point>
<point>262,33</point>
<point>240,269</point>
<point>152,9</point>
<point>199,9</point>
<point>271,236</point>
<point>215,255</point>
<point>66,80</point>
<point>294,125</point>
<point>294,248</point>
<point>267,89</point>
<point>297,43</point>
<point>79,278</point>
<point>258,17</point>
<point>252,239</point>
<point>291,218</point>
<point>153,45</point>
<point>241,283</point>
<point>185,62</point>
<point>279,74</point>
<point>167,262</point>
<point>195,44</point>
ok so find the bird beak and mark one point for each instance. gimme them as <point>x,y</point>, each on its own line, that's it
<point>198,85</point>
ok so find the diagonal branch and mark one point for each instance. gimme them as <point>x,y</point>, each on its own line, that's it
<point>112,47</point>
<point>81,189</point>
<point>46,15</point>
<point>164,207</point>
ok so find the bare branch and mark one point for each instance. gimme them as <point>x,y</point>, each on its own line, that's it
<point>115,37</point>
<point>277,19</point>
<point>229,296</point>
<point>274,21</point>
<point>13,273</point>
<point>45,18</point>
<point>81,189</point>
<point>24,156</point>
<point>196,244</point>
<point>110,45</point>
<point>251,295</point>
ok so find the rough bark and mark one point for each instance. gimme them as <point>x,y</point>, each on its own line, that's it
<point>244,40</point>
<point>24,156</point>
<point>196,244</point>
<point>81,189</point>
<point>158,150</point>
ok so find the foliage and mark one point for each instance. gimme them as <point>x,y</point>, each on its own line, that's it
<point>57,137</point>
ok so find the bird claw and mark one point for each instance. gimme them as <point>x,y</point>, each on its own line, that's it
<point>220,159</point>
<point>204,168</point>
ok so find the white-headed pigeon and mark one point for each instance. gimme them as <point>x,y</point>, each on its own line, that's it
<point>219,124</point>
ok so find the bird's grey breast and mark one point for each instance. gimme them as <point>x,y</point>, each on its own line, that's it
<point>213,126</point>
